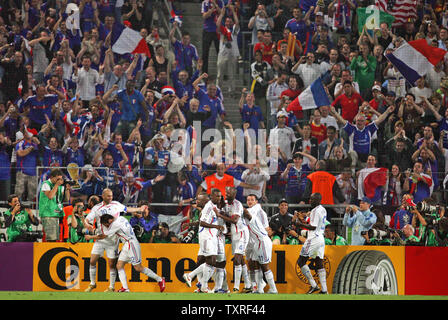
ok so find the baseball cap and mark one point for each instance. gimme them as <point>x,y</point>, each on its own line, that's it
<point>366,200</point>
<point>282,114</point>
<point>282,201</point>
<point>376,87</point>
<point>391,94</point>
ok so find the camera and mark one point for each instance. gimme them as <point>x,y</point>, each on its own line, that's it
<point>382,234</point>
<point>425,208</point>
<point>193,201</point>
<point>189,236</point>
<point>31,236</point>
<point>138,230</point>
<point>70,183</point>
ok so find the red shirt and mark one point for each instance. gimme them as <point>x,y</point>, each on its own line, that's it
<point>266,50</point>
<point>374,104</point>
<point>319,132</point>
<point>292,94</point>
<point>349,105</point>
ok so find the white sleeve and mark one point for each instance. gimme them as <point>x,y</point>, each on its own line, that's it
<point>46,187</point>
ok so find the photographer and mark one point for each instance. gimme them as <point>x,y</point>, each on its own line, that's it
<point>162,234</point>
<point>359,219</point>
<point>282,227</point>
<point>19,221</point>
<point>53,193</point>
<point>195,213</point>
<point>144,223</point>
<point>433,226</point>
<point>332,238</point>
<point>75,223</point>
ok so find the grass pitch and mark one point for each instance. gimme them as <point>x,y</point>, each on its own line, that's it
<point>26,295</point>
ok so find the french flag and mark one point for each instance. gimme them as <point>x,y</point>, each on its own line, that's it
<point>312,97</point>
<point>371,182</point>
<point>422,188</point>
<point>126,40</point>
<point>415,58</point>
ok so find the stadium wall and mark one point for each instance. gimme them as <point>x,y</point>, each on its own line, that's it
<point>62,267</point>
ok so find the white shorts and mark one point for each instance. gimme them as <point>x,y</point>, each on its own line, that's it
<point>208,246</point>
<point>250,248</point>
<point>111,250</point>
<point>131,252</point>
<point>240,242</point>
<point>314,247</point>
<point>221,256</point>
<point>262,251</point>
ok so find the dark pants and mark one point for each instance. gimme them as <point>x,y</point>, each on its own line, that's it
<point>207,39</point>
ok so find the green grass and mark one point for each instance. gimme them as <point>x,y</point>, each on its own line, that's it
<point>25,295</point>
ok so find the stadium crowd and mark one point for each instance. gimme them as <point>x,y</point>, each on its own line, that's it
<point>68,100</point>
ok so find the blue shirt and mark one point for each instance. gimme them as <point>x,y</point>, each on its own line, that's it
<point>252,115</point>
<point>28,163</point>
<point>132,105</point>
<point>215,107</point>
<point>360,140</point>
<point>5,164</point>
<point>128,148</point>
<point>185,55</point>
<point>210,22</point>
<point>361,221</point>
<point>50,156</point>
<point>297,180</point>
<point>299,28</point>
<point>163,159</point>
<point>75,157</point>
<point>38,109</point>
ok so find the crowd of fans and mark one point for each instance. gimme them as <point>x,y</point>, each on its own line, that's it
<point>68,100</point>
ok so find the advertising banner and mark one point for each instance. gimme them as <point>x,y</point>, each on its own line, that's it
<point>379,270</point>
<point>16,266</point>
<point>426,271</point>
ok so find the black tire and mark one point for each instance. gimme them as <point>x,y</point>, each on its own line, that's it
<point>365,272</point>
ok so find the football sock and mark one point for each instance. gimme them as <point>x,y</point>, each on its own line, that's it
<point>123,278</point>
<point>237,276</point>
<point>245,275</point>
<point>270,279</point>
<point>148,272</point>
<point>92,273</point>
<point>322,279</point>
<point>307,273</point>
<point>113,277</point>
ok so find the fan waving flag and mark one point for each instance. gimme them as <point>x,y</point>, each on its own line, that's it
<point>312,97</point>
<point>371,182</point>
<point>402,10</point>
<point>126,40</point>
<point>415,58</point>
<point>372,17</point>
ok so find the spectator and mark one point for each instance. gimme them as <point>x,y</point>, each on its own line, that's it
<point>185,52</point>
<point>348,102</point>
<point>86,79</point>
<point>300,26</point>
<point>282,136</point>
<point>27,160</point>
<point>257,176</point>
<point>260,21</point>
<point>14,73</point>
<point>75,222</point>
<point>419,184</point>
<point>210,10</point>
<point>403,215</point>
<point>266,47</point>
<point>261,73</point>
<point>307,69</point>
<point>228,48</point>
<point>40,106</point>
<point>327,146</point>
<point>295,176</point>
<point>307,143</point>
<point>279,13</point>
<point>359,220</point>
<point>364,67</point>
<point>360,133</point>
<point>273,96</point>
<point>251,113</point>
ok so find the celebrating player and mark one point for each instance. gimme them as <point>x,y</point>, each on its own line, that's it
<point>108,244</point>
<point>131,251</point>
<point>314,246</point>
<point>262,249</point>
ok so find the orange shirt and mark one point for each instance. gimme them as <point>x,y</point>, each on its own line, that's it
<point>214,183</point>
<point>322,182</point>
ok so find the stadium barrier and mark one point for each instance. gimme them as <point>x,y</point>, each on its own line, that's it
<point>350,269</point>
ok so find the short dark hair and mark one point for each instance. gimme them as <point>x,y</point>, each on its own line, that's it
<point>12,196</point>
<point>77,200</point>
<point>105,218</point>
<point>55,173</point>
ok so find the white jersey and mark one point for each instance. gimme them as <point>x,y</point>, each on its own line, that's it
<point>258,224</point>
<point>318,217</point>
<point>236,209</point>
<point>114,208</point>
<point>208,215</point>
<point>122,228</point>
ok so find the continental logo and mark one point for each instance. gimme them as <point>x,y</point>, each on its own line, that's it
<point>313,269</point>
<point>65,268</point>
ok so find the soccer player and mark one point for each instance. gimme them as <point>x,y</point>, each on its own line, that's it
<point>233,213</point>
<point>108,244</point>
<point>130,252</point>
<point>208,241</point>
<point>262,250</point>
<point>314,246</point>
